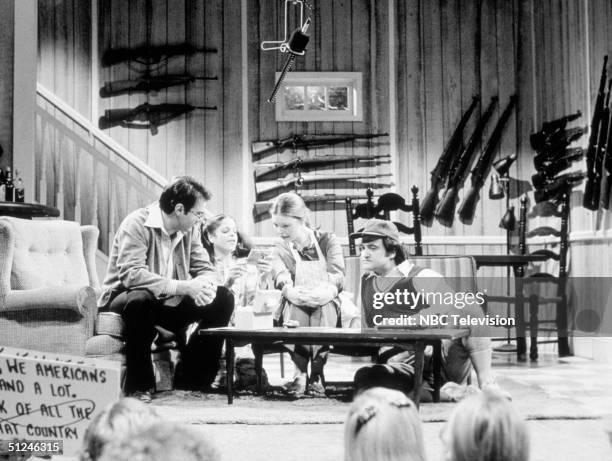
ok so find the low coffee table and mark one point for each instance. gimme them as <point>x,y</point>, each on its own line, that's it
<point>414,340</point>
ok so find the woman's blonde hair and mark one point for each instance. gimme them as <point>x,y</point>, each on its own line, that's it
<point>486,427</point>
<point>292,205</point>
<point>119,420</point>
<point>383,425</point>
<point>164,441</point>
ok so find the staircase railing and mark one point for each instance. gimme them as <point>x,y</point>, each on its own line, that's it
<point>84,173</point>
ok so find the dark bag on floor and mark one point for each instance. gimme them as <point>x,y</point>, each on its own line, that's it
<point>246,379</point>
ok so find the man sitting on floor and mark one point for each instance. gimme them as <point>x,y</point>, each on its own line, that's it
<point>386,271</point>
<point>159,274</point>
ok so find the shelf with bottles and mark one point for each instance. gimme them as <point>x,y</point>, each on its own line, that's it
<point>11,190</point>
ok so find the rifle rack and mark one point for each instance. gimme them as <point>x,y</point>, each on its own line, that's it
<point>271,176</point>
<point>148,116</point>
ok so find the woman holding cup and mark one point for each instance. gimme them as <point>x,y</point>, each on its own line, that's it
<point>308,266</point>
<point>228,251</point>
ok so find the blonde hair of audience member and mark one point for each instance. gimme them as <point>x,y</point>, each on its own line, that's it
<point>163,441</point>
<point>116,421</point>
<point>486,427</point>
<point>383,425</point>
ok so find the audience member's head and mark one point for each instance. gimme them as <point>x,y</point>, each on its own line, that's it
<point>163,441</point>
<point>486,427</point>
<point>383,425</point>
<point>121,419</point>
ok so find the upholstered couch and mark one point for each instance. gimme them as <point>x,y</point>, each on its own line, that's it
<point>48,291</point>
<point>47,284</point>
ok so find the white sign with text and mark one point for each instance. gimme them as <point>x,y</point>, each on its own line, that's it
<point>48,396</point>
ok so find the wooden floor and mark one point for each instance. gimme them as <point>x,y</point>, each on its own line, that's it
<point>580,379</point>
<point>583,435</point>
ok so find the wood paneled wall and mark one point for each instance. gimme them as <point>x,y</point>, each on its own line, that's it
<point>6,81</point>
<point>64,56</point>
<point>347,35</point>
<point>205,144</point>
<point>427,57</point>
<point>547,52</point>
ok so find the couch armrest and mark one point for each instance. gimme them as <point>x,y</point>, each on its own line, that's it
<point>78,299</point>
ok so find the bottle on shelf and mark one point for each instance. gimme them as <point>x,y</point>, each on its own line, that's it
<point>19,188</point>
<point>9,187</point>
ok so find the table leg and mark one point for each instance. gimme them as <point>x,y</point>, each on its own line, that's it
<point>519,314</point>
<point>437,369</point>
<point>418,371</point>
<point>230,370</point>
<point>258,353</point>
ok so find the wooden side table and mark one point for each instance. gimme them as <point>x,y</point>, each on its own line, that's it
<point>27,210</point>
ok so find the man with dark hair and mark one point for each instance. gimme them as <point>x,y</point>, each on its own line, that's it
<point>185,190</point>
<point>386,271</point>
<point>159,274</point>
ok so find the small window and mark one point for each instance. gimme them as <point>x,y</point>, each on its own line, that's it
<point>320,96</point>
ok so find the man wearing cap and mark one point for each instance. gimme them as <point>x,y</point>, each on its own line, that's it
<point>159,274</point>
<point>386,271</point>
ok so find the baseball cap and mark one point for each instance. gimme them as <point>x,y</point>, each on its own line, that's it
<point>378,228</point>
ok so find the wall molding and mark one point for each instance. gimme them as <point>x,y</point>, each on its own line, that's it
<point>591,236</point>
<point>428,240</point>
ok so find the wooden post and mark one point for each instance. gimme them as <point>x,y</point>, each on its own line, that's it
<point>24,92</point>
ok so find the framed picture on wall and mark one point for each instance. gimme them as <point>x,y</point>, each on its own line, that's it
<point>320,97</point>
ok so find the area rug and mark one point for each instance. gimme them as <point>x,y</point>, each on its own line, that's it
<point>275,408</point>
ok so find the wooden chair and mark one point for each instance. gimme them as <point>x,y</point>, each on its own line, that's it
<point>382,210</point>
<point>544,287</point>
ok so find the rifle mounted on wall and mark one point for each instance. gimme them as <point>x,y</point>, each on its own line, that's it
<point>468,207</point>
<point>300,179</point>
<point>262,207</point>
<point>441,170</point>
<point>543,161</point>
<point>589,201</point>
<point>445,211</point>
<point>557,141</point>
<point>301,141</point>
<point>607,165</point>
<point>265,169</point>
<point>550,128</point>
<point>147,83</point>
<point>558,187</point>
<point>146,116</point>
<point>602,143</point>
<point>149,55</point>
<point>548,170</point>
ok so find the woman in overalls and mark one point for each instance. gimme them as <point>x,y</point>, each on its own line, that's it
<point>308,266</point>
